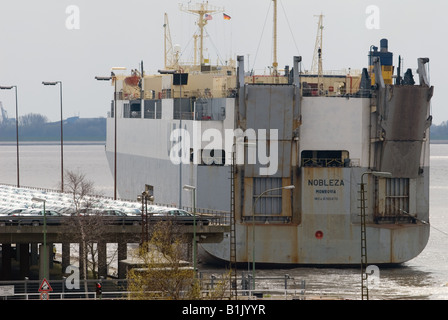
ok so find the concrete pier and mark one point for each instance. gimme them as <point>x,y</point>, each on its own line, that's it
<point>22,246</point>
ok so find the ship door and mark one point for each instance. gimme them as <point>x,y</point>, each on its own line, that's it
<point>393,200</point>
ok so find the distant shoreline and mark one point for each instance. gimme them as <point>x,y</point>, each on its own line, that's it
<point>25,143</point>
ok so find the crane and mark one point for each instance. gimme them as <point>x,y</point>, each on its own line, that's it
<point>4,114</point>
<point>171,57</point>
<point>316,67</point>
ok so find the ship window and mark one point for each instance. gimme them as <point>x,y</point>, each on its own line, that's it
<point>159,109</point>
<point>136,109</point>
<point>183,109</point>
<point>132,109</point>
<point>150,109</point>
<point>166,93</point>
<point>325,158</point>
<point>210,109</point>
<point>309,89</point>
<point>126,110</point>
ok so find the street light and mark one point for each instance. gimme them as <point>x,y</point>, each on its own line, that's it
<point>193,189</point>
<point>253,226</point>
<point>115,132</point>
<point>365,288</point>
<point>45,256</point>
<point>53,83</point>
<point>144,197</point>
<point>17,129</point>
<point>112,77</point>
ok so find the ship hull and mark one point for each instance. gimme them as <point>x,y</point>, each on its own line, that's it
<point>327,231</point>
<point>298,245</point>
<point>292,173</point>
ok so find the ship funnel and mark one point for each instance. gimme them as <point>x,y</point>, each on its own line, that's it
<point>384,45</point>
<point>385,58</point>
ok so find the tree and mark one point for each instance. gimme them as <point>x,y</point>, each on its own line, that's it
<point>87,229</point>
<point>439,132</point>
<point>32,120</point>
<point>165,275</point>
<point>80,188</point>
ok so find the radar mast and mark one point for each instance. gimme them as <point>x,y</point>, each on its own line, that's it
<point>203,11</point>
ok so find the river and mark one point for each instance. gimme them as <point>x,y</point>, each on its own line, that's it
<point>423,278</point>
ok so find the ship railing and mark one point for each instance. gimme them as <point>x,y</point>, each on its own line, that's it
<point>355,162</point>
<point>323,162</point>
<point>395,217</point>
<point>198,94</point>
<point>183,115</point>
<point>342,93</point>
<point>231,93</point>
<point>198,116</point>
<point>330,162</point>
<point>341,72</point>
<point>176,94</point>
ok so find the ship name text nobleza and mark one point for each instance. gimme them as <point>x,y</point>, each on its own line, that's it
<point>326,182</point>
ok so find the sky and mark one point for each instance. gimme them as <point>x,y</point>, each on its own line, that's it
<point>73,41</point>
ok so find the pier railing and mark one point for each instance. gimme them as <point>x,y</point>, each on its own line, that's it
<point>266,287</point>
<point>280,287</point>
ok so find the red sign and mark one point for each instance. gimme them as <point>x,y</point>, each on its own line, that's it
<point>44,295</point>
<point>45,286</point>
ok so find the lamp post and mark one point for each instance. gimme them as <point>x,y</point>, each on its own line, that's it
<point>144,197</point>
<point>17,129</point>
<point>364,287</point>
<point>112,77</point>
<point>193,189</point>
<point>53,83</point>
<point>144,239</point>
<point>45,256</point>
<point>253,226</point>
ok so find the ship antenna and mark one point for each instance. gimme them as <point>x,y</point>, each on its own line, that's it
<point>275,63</point>
<point>203,11</point>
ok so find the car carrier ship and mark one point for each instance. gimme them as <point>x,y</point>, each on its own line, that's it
<point>312,166</point>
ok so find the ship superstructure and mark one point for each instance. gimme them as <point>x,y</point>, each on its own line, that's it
<point>285,153</point>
